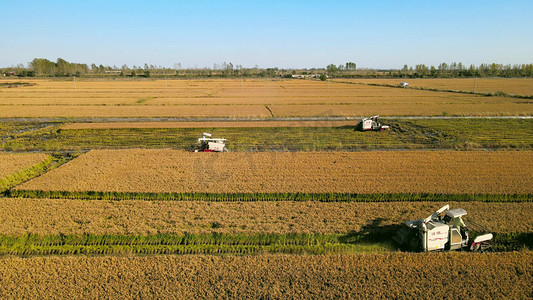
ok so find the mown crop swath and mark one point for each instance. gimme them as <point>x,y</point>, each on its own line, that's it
<point>323,197</point>
<point>216,243</point>
<point>457,134</point>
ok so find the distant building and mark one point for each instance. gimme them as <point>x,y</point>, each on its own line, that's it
<point>305,76</point>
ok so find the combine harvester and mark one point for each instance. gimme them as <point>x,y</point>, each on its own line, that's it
<point>209,144</point>
<point>440,233</point>
<point>371,123</point>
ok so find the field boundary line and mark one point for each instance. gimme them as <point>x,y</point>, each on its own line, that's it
<point>322,197</point>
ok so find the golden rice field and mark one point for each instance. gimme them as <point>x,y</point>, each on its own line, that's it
<point>160,171</point>
<point>239,98</point>
<point>515,86</point>
<point>184,111</point>
<point>139,217</point>
<point>368,276</point>
<point>229,124</point>
<point>14,162</point>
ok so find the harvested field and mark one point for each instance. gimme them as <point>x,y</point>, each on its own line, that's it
<point>137,217</point>
<point>239,98</point>
<point>14,162</point>
<point>464,134</point>
<point>251,124</point>
<point>515,86</point>
<point>167,171</point>
<point>397,275</point>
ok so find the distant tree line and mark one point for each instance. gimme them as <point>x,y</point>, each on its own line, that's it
<point>459,70</point>
<point>41,67</point>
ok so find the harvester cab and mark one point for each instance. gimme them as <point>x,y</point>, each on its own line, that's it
<point>440,232</point>
<point>209,144</point>
<point>372,123</point>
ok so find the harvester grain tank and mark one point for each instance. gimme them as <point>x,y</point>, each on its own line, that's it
<point>440,233</point>
<point>209,144</point>
<point>372,123</point>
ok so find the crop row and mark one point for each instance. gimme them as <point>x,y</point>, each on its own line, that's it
<point>215,243</point>
<point>222,197</point>
<point>361,276</point>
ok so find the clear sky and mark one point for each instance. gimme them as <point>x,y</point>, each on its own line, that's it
<point>284,34</point>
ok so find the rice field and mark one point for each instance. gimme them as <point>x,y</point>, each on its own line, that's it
<point>208,124</point>
<point>515,86</point>
<point>174,171</point>
<point>275,222</point>
<point>233,98</point>
<point>13,162</point>
<point>397,275</point>
<point>138,217</point>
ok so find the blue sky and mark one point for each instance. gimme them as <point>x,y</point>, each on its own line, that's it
<point>285,34</point>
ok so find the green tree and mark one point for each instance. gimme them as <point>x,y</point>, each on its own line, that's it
<point>332,69</point>
<point>351,66</point>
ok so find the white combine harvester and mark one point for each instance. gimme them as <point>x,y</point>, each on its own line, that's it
<point>438,232</point>
<point>209,144</point>
<point>371,123</point>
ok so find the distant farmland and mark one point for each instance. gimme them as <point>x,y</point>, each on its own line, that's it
<point>515,86</point>
<point>233,98</point>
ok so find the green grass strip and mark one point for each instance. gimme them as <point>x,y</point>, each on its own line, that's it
<point>375,240</point>
<point>323,197</point>
<point>240,244</point>
<point>51,162</point>
<point>26,174</point>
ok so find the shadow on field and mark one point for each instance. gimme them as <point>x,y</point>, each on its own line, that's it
<point>345,127</point>
<point>373,232</point>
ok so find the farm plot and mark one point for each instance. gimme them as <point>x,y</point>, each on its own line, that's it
<point>174,171</point>
<point>398,275</point>
<point>43,217</point>
<point>208,124</point>
<point>267,136</point>
<point>13,162</point>
<point>509,108</point>
<point>88,111</point>
<point>515,86</point>
<point>238,98</point>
